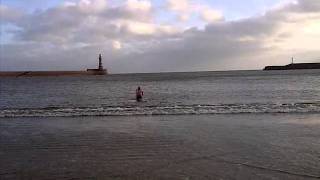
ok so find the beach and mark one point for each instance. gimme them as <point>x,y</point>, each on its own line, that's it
<point>160,90</point>
<point>234,146</point>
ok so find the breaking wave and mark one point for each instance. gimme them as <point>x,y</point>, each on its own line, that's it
<point>162,110</point>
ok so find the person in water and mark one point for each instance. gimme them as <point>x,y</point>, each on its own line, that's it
<point>139,94</point>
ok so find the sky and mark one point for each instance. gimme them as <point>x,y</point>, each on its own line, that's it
<point>139,36</point>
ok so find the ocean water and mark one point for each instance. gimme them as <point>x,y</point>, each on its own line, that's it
<point>203,125</point>
<point>230,92</point>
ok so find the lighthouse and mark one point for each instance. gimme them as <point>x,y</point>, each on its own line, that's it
<point>99,70</point>
<point>100,63</point>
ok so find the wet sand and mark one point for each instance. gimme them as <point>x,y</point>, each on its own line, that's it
<point>243,146</point>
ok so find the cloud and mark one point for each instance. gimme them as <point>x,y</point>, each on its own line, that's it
<point>92,5</point>
<point>139,6</point>
<point>181,7</point>
<point>184,9</point>
<point>303,6</point>
<point>211,15</point>
<point>116,45</point>
<point>249,43</point>
<point>90,21</point>
<point>8,14</point>
<point>71,35</point>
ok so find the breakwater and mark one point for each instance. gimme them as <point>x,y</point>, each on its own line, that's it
<point>294,66</point>
<point>98,71</point>
<point>52,73</point>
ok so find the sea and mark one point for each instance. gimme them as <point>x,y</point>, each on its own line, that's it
<point>185,93</point>
<point>195,125</point>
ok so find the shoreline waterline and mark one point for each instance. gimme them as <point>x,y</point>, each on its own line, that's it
<point>141,109</point>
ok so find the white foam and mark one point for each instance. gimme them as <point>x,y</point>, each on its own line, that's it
<point>163,110</point>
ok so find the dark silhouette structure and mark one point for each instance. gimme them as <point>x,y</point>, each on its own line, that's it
<point>99,71</point>
<point>294,66</point>
<point>100,62</point>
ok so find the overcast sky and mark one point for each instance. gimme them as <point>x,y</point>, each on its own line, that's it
<point>157,35</point>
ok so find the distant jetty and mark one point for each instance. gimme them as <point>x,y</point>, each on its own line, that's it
<point>99,71</point>
<point>294,66</point>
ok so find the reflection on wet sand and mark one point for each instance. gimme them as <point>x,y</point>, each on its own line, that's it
<point>161,147</point>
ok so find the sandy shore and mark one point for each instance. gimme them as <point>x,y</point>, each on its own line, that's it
<point>244,146</point>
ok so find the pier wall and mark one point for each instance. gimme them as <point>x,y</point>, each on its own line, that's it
<point>51,73</point>
<point>294,66</point>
